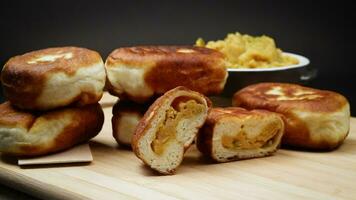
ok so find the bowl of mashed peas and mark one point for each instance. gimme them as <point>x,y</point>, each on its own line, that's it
<point>257,59</point>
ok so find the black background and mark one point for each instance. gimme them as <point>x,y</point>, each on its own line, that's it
<point>320,31</point>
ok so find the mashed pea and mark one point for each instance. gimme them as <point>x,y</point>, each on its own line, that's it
<point>245,51</point>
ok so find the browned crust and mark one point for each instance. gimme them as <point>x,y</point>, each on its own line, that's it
<point>82,57</point>
<point>87,123</point>
<point>9,116</point>
<point>219,113</point>
<point>254,96</point>
<point>145,122</point>
<point>206,133</point>
<point>23,82</point>
<point>296,131</point>
<point>203,70</point>
<point>297,135</point>
<point>125,107</point>
<point>142,55</point>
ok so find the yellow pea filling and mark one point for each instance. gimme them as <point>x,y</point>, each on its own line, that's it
<point>242,141</point>
<point>166,131</point>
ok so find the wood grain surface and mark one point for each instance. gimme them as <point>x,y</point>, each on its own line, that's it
<point>116,173</point>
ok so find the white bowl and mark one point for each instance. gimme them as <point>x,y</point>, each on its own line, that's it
<point>242,77</point>
<point>303,61</point>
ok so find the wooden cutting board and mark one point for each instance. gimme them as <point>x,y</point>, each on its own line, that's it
<point>116,173</point>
